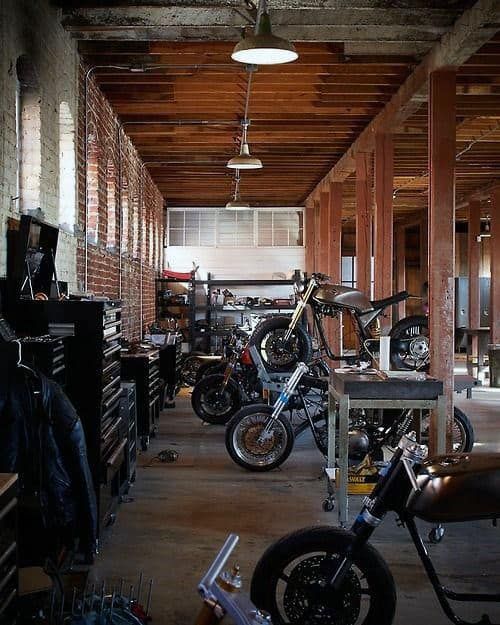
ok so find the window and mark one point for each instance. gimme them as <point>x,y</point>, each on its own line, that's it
<point>125,217</point>
<point>67,169</point>
<point>29,154</point>
<point>92,185</point>
<point>111,235</point>
<point>223,228</point>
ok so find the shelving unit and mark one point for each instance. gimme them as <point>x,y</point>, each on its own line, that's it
<point>186,311</point>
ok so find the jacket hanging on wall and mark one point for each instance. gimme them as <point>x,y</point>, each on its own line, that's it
<point>42,439</point>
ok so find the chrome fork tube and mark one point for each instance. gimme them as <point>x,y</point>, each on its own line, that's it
<point>285,395</point>
<point>297,313</point>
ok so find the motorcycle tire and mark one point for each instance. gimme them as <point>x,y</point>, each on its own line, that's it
<point>418,357</point>
<point>275,354</point>
<point>213,405</point>
<point>463,432</point>
<point>209,368</point>
<point>243,431</point>
<point>290,581</point>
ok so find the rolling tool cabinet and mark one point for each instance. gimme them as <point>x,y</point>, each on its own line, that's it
<point>143,368</point>
<point>9,571</point>
<point>128,411</point>
<point>92,331</point>
<point>47,354</point>
<point>170,366</point>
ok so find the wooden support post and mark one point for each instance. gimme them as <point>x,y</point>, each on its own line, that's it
<point>323,238</point>
<point>424,261</point>
<point>474,256</point>
<point>401,267</point>
<point>309,237</point>
<point>383,221</point>
<point>495,268</point>
<point>317,235</point>
<point>363,222</point>
<point>335,258</point>
<point>442,149</point>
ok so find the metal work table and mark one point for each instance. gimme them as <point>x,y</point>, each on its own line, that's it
<point>355,390</point>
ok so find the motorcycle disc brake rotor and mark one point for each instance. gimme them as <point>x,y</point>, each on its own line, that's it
<point>277,350</point>
<point>216,402</point>
<point>308,600</point>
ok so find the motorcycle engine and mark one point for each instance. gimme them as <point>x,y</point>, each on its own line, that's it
<point>359,444</point>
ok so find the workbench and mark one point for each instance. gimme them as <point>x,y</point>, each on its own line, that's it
<point>351,390</point>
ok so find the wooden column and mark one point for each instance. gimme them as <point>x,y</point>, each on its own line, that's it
<point>309,237</point>
<point>335,258</point>
<point>383,221</point>
<point>363,222</point>
<point>495,268</point>
<point>317,235</point>
<point>474,257</point>
<point>442,149</point>
<point>323,238</point>
<point>424,261</point>
<point>401,267</point>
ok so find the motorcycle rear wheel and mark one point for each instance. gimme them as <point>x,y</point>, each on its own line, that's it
<point>276,354</point>
<point>242,434</point>
<point>416,355</point>
<point>290,581</point>
<point>212,404</point>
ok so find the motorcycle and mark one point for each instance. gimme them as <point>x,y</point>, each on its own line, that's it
<point>221,593</point>
<point>325,575</point>
<point>260,438</point>
<point>283,342</point>
<point>218,396</point>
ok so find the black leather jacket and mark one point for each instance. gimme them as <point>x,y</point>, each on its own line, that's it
<point>42,439</point>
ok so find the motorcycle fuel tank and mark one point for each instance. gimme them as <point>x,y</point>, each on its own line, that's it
<point>343,297</point>
<point>457,488</point>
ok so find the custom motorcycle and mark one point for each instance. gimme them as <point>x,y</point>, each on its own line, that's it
<point>326,575</point>
<point>283,342</point>
<point>216,397</point>
<point>260,437</point>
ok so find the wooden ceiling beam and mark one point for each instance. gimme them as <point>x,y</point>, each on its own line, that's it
<point>474,28</point>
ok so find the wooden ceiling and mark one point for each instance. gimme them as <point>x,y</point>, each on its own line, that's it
<point>183,111</point>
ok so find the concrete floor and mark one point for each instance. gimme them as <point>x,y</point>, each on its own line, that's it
<point>182,512</point>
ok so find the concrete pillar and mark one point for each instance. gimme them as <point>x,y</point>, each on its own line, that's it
<point>495,268</point>
<point>363,222</point>
<point>383,221</point>
<point>335,258</point>
<point>442,149</point>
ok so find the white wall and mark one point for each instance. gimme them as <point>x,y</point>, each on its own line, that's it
<point>255,263</point>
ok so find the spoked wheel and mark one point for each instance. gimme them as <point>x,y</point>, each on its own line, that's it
<point>213,403</point>
<point>462,432</point>
<point>291,581</point>
<point>277,353</point>
<point>253,449</point>
<point>410,344</point>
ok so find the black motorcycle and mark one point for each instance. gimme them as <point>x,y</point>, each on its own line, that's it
<point>326,575</point>
<point>283,341</point>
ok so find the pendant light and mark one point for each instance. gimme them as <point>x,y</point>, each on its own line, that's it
<point>244,160</point>
<point>264,48</point>
<point>236,204</point>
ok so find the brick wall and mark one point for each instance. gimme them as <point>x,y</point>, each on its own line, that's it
<point>31,29</point>
<point>116,185</point>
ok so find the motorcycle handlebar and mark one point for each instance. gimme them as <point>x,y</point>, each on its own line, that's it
<point>321,277</point>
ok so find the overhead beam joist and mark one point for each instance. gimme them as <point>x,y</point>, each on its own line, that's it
<point>473,29</point>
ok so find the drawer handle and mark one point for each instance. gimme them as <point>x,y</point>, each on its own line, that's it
<point>5,511</point>
<point>112,459</point>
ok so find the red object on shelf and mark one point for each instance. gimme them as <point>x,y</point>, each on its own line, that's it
<point>177,275</point>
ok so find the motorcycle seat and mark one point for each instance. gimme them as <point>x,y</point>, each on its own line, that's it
<point>457,488</point>
<point>388,301</point>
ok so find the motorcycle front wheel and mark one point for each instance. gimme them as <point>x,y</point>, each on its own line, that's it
<point>291,581</point>
<point>276,353</point>
<point>244,446</point>
<point>214,404</point>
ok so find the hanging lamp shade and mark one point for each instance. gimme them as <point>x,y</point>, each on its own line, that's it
<point>237,204</point>
<point>262,47</point>
<point>244,160</point>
